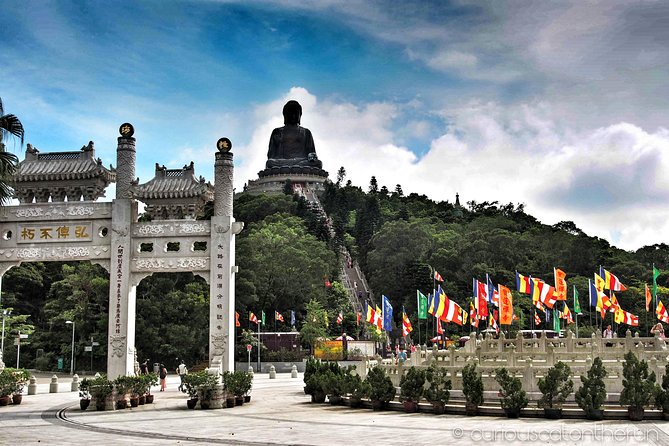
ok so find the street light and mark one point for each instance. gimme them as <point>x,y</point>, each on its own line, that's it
<point>5,313</point>
<point>72,360</point>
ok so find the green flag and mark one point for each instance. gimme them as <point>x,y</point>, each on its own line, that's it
<point>577,306</point>
<point>422,305</point>
<point>263,317</point>
<point>656,274</point>
<point>556,321</point>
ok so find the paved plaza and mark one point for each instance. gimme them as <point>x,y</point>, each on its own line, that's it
<point>281,414</point>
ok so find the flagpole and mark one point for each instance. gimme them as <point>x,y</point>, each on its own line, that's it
<point>259,322</point>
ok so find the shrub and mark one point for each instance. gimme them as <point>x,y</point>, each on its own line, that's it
<point>555,386</point>
<point>514,397</point>
<point>592,393</point>
<point>639,386</point>
<point>662,398</point>
<point>440,384</point>
<point>411,385</point>
<point>472,385</point>
<point>381,388</point>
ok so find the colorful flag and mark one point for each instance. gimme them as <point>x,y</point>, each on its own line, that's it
<point>262,316</point>
<point>422,305</point>
<point>560,284</point>
<point>439,302</point>
<point>543,293</point>
<point>523,283</point>
<point>656,274</point>
<point>473,320</point>
<point>452,311</point>
<point>406,324</point>
<point>661,312</point>
<point>292,317</point>
<point>505,305</point>
<point>278,316</point>
<point>577,305</point>
<point>537,320</point>
<point>481,301</point>
<point>614,303</point>
<point>387,314</point>
<point>253,318</point>
<point>440,329</point>
<point>371,314</point>
<point>595,300</point>
<point>493,295</point>
<point>611,282</point>
<point>623,317</point>
<point>437,276</point>
<point>340,318</point>
<point>493,323</point>
<point>237,323</point>
<point>358,316</point>
<point>378,318</point>
<point>600,283</point>
<point>649,297</point>
<point>566,314</point>
<point>556,322</point>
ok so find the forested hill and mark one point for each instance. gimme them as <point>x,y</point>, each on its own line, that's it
<point>397,239</point>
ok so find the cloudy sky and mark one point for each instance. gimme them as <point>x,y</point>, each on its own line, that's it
<point>562,106</point>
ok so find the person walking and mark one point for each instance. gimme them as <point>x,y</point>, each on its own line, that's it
<point>181,371</point>
<point>162,373</point>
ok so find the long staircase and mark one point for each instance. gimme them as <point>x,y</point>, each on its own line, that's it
<point>353,278</point>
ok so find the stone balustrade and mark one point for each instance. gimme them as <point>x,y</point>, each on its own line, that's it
<point>529,359</point>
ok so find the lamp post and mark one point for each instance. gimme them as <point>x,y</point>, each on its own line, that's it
<point>72,360</point>
<point>5,313</point>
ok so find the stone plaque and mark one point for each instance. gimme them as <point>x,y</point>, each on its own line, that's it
<point>55,232</point>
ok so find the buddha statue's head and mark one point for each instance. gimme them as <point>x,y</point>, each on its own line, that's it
<point>292,112</point>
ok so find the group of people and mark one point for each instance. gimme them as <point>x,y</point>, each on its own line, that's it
<point>657,329</point>
<point>181,370</point>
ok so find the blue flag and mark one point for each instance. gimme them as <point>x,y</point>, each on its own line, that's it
<point>292,317</point>
<point>387,314</point>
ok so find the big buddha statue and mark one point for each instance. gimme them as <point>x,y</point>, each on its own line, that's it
<point>292,145</point>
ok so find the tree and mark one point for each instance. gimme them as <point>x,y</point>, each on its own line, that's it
<point>9,125</point>
<point>398,190</point>
<point>315,324</point>
<point>341,175</point>
<point>373,185</point>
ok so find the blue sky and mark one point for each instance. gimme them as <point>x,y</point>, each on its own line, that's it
<point>558,105</point>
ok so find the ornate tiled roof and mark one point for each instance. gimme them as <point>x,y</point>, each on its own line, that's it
<point>62,166</point>
<point>61,175</point>
<point>174,183</point>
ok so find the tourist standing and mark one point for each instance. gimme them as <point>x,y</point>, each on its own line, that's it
<point>658,330</point>
<point>162,373</point>
<point>608,333</point>
<point>181,371</point>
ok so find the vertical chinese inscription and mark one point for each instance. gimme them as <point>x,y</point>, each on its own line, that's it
<point>119,285</point>
<point>219,287</point>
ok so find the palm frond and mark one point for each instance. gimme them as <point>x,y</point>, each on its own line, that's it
<point>11,124</point>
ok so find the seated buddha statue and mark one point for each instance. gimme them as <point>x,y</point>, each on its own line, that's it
<point>292,145</point>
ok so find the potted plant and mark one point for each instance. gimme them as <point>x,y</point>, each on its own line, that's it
<point>438,392</point>
<point>21,377</point>
<point>555,387</point>
<point>662,397</point>
<point>334,385</point>
<point>137,390</point>
<point>314,386</point>
<point>639,387</point>
<point>411,389</point>
<point>123,385</point>
<point>7,386</point>
<point>84,393</point>
<point>511,390</point>
<point>191,382</point>
<point>150,380</point>
<point>356,388</point>
<point>592,393</point>
<point>101,389</point>
<point>472,388</point>
<point>381,388</point>
<point>239,384</point>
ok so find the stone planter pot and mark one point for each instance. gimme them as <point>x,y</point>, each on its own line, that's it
<point>247,398</point>
<point>471,409</point>
<point>149,399</point>
<point>355,402</point>
<point>84,403</point>
<point>335,400</point>
<point>512,412</point>
<point>17,398</point>
<point>4,400</point>
<point>121,404</point>
<point>318,397</point>
<point>191,403</point>
<point>230,403</point>
<point>239,401</point>
<point>378,405</point>
<point>142,400</point>
<point>635,413</point>
<point>595,414</point>
<point>553,413</point>
<point>410,406</point>
<point>438,407</point>
<point>134,401</point>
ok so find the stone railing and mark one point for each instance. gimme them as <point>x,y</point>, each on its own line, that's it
<point>529,359</point>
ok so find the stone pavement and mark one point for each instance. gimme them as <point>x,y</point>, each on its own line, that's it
<point>280,414</point>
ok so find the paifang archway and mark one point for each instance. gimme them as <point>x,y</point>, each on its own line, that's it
<point>110,235</point>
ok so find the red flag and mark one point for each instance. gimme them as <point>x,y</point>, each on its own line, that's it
<point>537,321</point>
<point>505,305</point>
<point>340,318</point>
<point>278,316</point>
<point>437,276</point>
<point>406,325</point>
<point>253,318</point>
<point>440,329</point>
<point>358,314</point>
<point>649,298</point>
<point>560,284</point>
<point>237,324</point>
